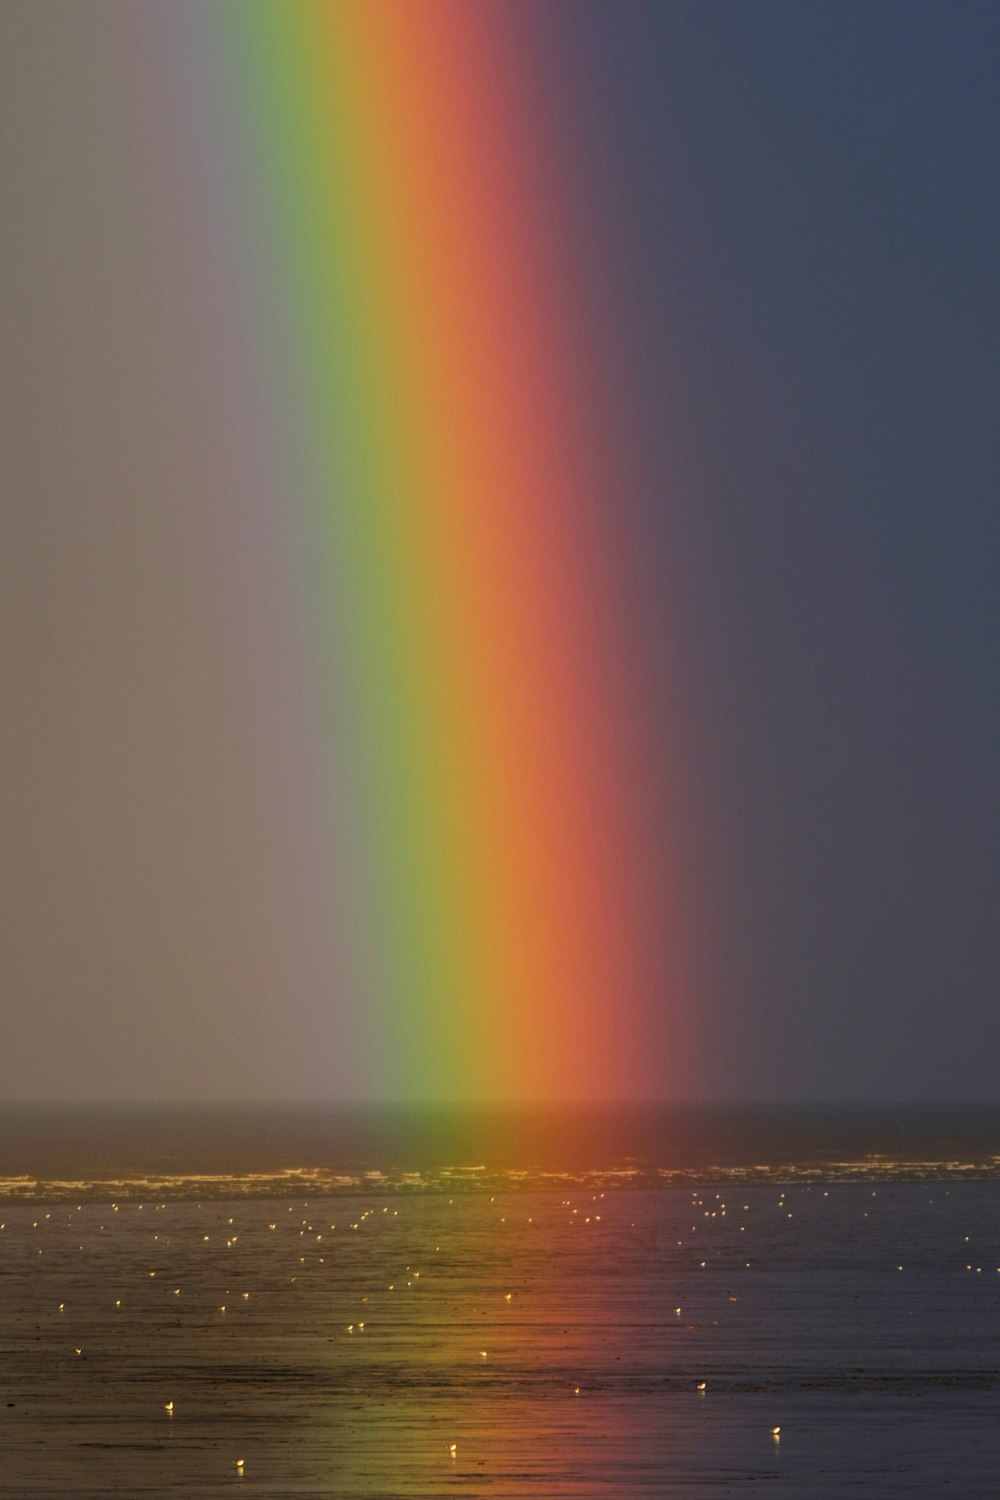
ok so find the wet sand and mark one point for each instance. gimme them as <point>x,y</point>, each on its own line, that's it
<point>557,1339</point>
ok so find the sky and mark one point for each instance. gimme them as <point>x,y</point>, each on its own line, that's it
<point>789,231</point>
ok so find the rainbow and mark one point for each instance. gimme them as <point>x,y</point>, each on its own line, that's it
<point>442,439</point>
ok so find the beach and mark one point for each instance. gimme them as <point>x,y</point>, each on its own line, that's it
<point>584,1341</point>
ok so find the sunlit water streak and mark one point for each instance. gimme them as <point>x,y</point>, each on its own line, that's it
<point>202,1152</point>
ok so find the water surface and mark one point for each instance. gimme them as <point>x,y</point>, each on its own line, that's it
<point>611,1333</point>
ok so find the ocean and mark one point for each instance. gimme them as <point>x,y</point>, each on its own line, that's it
<point>575,1303</point>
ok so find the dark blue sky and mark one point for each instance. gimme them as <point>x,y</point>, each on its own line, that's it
<point>805,238</point>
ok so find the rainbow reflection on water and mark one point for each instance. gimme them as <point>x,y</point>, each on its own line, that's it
<point>531,1342</point>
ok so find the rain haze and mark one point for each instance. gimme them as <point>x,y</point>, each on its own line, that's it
<point>794,259</point>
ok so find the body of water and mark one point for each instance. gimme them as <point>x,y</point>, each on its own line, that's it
<point>490,1304</point>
